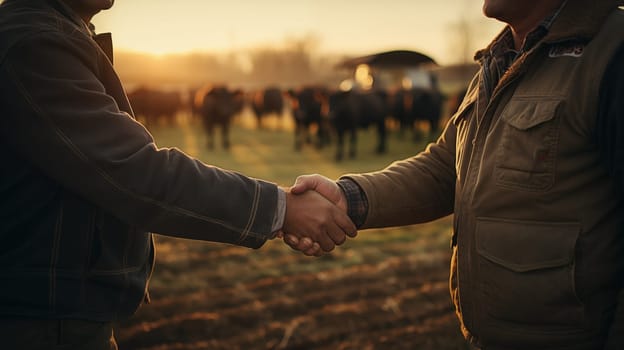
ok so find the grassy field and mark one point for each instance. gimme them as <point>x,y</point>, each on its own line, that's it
<point>386,289</point>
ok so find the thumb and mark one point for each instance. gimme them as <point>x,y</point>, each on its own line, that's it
<point>304,183</point>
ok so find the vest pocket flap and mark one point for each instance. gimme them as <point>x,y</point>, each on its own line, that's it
<point>523,246</point>
<point>525,113</point>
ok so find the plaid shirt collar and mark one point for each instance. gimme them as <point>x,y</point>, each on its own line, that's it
<point>505,43</point>
<point>503,53</point>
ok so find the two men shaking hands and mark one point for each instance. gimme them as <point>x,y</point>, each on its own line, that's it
<point>316,218</point>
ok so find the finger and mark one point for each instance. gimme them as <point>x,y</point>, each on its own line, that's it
<point>323,239</point>
<point>339,227</point>
<point>318,249</point>
<point>300,244</point>
<point>326,187</point>
<point>291,240</point>
<point>346,225</point>
<point>315,250</point>
<point>337,235</point>
<point>304,183</point>
<point>326,243</point>
<point>305,243</point>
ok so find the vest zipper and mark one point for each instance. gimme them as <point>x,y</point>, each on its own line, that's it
<point>465,256</point>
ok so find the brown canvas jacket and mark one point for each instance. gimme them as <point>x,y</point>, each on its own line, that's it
<point>538,249</point>
<point>82,183</point>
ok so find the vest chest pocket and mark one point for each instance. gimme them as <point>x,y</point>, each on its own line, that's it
<point>526,157</point>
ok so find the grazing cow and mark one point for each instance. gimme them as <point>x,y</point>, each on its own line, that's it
<point>267,101</point>
<point>217,106</point>
<point>350,110</point>
<point>150,105</point>
<point>409,106</point>
<point>309,110</point>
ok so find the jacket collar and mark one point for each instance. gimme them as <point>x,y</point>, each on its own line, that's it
<point>577,20</point>
<point>70,14</point>
<point>103,40</point>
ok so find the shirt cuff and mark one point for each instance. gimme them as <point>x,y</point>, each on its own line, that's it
<point>280,213</point>
<point>357,203</point>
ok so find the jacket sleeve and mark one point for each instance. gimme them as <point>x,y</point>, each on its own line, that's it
<point>413,190</point>
<point>57,114</point>
<point>610,139</point>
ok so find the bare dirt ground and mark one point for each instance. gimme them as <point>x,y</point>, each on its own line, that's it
<point>378,294</point>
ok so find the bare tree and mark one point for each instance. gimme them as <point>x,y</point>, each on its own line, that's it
<point>461,33</point>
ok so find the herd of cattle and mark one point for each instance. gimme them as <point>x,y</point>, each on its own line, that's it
<point>319,114</point>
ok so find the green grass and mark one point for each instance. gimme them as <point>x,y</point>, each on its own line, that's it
<point>269,153</point>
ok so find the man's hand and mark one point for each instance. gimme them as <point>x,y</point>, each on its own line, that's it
<point>313,222</point>
<point>328,189</point>
<point>323,185</point>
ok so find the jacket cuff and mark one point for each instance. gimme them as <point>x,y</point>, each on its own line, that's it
<point>280,213</point>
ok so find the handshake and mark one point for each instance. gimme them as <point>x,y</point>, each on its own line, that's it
<point>316,216</point>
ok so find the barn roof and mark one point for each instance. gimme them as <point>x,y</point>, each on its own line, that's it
<point>389,59</point>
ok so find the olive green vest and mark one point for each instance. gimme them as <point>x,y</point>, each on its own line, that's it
<point>540,248</point>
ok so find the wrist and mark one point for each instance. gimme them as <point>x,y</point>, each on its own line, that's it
<point>357,203</point>
<point>280,213</point>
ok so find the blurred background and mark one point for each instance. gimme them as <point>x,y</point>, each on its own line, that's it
<point>254,43</point>
<point>276,89</point>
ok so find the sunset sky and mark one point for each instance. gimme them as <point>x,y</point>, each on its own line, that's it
<point>339,26</point>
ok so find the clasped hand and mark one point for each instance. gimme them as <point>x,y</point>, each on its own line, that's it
<point>316,216</point>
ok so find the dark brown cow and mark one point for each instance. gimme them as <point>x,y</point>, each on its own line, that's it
<point>310,114</point>
<point>267,101</point>
<point>351,110</point>
<point>409,106</point>
<point>217,106</point>
<point>152,105</point>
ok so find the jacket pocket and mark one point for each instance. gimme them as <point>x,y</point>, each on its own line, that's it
<point>526,271</point>
<point>117,249</point>
<point>526,158</point>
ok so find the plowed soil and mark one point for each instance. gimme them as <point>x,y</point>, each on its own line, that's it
<point>388,291</point>
<point>385,289</point>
